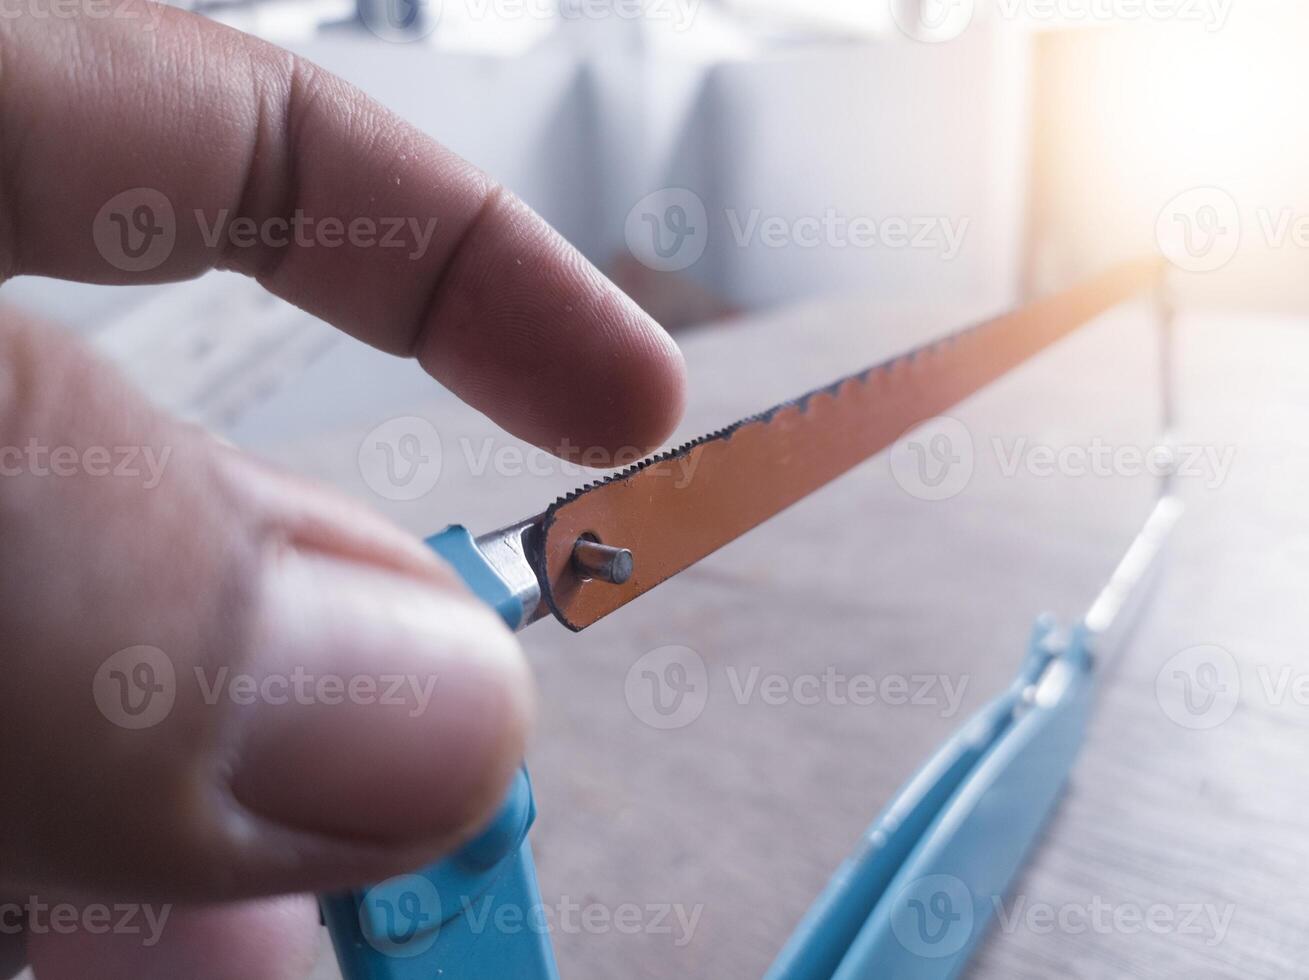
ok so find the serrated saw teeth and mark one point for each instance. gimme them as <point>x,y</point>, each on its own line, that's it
<point>678,506</point>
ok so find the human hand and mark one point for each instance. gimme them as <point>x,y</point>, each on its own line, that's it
<point>226,562</point>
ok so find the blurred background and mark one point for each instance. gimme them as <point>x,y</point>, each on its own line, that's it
<point>715,157</point>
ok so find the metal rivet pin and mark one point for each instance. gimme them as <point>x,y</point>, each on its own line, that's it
<point>596,560</point>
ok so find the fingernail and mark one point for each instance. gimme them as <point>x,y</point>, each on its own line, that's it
<point>375,706</point>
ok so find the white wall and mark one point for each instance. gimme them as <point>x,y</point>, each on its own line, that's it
<point>879,130</point>
<point>586,125</point>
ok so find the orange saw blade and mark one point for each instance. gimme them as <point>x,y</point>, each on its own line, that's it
<point>674,508</point>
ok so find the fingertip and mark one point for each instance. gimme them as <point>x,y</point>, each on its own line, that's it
<point>653,398</point>
<point>626,401</point>
<point>527,331</point>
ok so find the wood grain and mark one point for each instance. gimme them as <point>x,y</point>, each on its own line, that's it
<point>745,811</point>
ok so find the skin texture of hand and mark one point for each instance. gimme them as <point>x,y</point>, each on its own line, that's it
<point>227,563</point>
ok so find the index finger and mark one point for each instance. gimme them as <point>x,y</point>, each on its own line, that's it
<point>130,154</point>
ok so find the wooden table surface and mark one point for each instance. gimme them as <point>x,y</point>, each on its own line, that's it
<point>1178,850</point>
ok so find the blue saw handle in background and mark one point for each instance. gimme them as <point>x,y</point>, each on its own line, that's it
<point>916,898</point>
<point>476,913</point>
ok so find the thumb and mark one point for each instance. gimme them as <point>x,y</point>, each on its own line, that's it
<point>228,682</point>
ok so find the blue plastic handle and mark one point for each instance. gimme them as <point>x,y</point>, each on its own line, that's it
<point>476,913</point>
<point>456,545</point>
<point>917,896</point>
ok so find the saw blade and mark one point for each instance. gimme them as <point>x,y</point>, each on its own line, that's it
<point>677,507</point>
